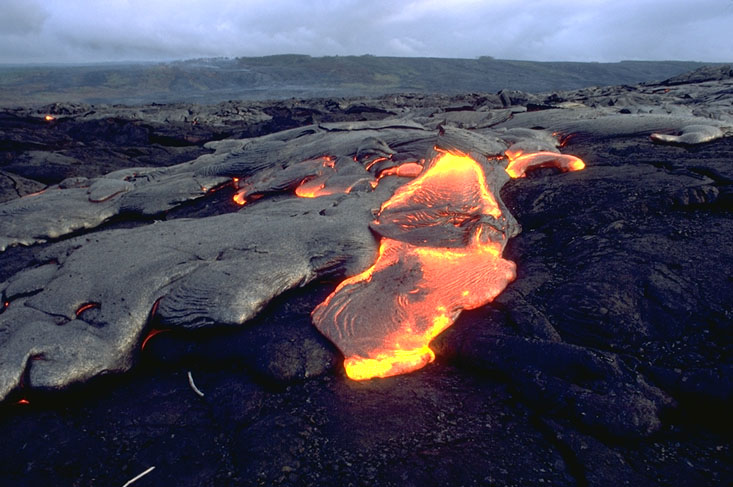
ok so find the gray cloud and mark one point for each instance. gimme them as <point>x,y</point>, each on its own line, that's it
<point>574,30</point>
<point>21,17</point>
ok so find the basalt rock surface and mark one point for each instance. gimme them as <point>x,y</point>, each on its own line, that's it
<point>126,248</point>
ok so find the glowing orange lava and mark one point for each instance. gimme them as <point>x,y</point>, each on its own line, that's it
<point>520,162</point>
<point>313,188</point>
<point>239,197</point>
<point>443,282</point>
<point>151,334</point>
<point>29,195</point>
<point>154,309</point>
<point>384,318</point>
<point>405,170</point>
<point>449,174</point>
<point>370,164</point>
<point>49,118</point>
<point>85,307</point>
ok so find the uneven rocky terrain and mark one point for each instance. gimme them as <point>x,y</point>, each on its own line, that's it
<point>149,319</point>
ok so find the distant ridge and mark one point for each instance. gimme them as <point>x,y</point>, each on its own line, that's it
<point>212,80</point>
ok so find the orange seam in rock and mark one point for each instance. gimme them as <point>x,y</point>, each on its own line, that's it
<point>85,307</point>
<point>151,334</point>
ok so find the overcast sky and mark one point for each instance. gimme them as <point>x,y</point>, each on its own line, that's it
<point>33,31</point>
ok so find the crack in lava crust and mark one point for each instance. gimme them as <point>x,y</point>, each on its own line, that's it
<point>384,318</point>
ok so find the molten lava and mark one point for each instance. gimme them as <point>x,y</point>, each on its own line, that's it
<point>239,197</point>
<point>371,163</point>
<point>384,318</point>
<point>520,162</point>
<point>85,307</point>
<point>313,187</point>
<point>404,170</point>
<point>151,334</point>
<point>451,175</point>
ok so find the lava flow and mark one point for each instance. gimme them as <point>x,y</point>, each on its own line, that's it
<point>314,187</point>
<point>384,318</point>
<point>520,162</point>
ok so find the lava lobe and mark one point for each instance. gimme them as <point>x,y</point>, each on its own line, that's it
<point>443,234</point>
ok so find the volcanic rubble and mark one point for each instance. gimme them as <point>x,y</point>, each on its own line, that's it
<point>159,265</point>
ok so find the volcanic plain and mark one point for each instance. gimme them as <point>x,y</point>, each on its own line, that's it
<point>160,264</point>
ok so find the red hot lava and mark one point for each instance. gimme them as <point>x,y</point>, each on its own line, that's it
<point>85,307</point>
<point>384,318</point>
<point>519,162</point>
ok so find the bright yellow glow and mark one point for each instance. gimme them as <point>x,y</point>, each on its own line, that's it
<point>373,162</point>
<point>384,318</point>
<point>450,279</point>
<point>576,165</point>
<point>312,188</point>
<point>405,170</point>
<point>449,173</point>
<point>239,197</point>
<point>520,162</point>
<point>387,364</point>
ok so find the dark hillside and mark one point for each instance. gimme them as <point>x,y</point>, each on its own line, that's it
<point>277,77</point>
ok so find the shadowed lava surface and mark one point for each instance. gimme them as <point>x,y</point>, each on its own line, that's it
<point>607,361</point>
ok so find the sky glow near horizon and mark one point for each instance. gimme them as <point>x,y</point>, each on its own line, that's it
<point>79,31</point>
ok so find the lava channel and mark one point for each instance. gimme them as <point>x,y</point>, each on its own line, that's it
<point>383,319</point>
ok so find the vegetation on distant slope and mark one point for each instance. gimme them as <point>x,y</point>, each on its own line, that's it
<point>283,76</point>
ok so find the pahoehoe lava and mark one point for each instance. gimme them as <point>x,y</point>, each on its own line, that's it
<point>602,356</point>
